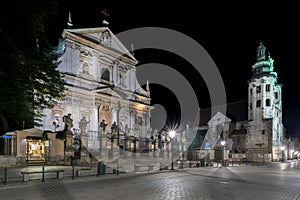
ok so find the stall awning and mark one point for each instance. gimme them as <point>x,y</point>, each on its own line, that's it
<point>31,132</point>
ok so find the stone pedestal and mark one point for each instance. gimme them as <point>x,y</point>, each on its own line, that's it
<point>84,153</point>
<point>105,146</point>
<point>69,151</point>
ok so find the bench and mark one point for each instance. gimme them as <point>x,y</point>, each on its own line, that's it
<point>148,167</point>
<point>59,174</point>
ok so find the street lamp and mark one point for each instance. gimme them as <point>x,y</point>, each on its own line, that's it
<point>223,151</point>
<point>282,153</point>
<point>172,135</point>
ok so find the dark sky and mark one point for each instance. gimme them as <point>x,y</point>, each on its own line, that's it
<point>230,33</point>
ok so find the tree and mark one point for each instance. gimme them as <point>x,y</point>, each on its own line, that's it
<point>29,78</point>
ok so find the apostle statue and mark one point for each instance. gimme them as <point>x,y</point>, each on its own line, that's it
<point>68,121</point>
<point>103,126</point>
<point>83,124</point>
<point>114,128</point>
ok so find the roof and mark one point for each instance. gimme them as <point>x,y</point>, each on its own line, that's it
<point>32,132</point>
<point>99,38</point>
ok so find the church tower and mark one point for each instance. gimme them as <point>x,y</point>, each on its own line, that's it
<point>265,130</point>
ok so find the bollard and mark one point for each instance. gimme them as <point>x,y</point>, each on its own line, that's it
<point>98,169</point>
<point>43,170</point>
<point>5,175</point>
<point>73,170</point>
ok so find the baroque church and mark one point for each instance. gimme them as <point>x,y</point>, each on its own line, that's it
<point>104,101</point>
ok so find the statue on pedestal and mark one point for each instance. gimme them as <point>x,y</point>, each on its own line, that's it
<point>126,130</point>
<point>68,121</point>
<point>102,126</point>
<point>83,124</point>
<point>114,128</point>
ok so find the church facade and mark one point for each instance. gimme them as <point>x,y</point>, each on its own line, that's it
<point>104,101</point>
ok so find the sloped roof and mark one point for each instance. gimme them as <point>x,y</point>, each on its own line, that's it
<point>94,37</point>
<point>31,132</point>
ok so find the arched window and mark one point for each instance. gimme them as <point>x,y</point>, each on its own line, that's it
<point>105,75</point>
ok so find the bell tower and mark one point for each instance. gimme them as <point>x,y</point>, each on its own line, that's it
<point>265,134</point>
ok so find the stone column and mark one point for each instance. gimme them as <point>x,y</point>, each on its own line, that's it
<point>116,73</point>
<point>132,80</point>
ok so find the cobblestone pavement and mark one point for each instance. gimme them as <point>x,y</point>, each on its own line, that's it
<point>269,182</point>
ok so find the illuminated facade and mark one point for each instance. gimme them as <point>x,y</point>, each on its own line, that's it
<point>253,128</point>
<point>265,135</point>
<point>100,80</point>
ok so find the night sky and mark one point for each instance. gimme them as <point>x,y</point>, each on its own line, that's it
<point>229,32</point>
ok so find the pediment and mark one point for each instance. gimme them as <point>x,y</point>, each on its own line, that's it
<point>112,92</point>
<point>219,118</point>
<point>102,37</point>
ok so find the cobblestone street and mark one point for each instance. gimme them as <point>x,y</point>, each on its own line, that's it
<point>272,181</point>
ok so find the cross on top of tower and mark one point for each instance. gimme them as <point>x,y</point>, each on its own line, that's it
<point>104,12</point>
<point>261,52</point>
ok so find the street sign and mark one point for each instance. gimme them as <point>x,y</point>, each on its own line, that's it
<point>207,145</point>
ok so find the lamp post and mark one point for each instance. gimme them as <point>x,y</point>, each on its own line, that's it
<point>118,122</point>
<point>172,134</point>
<point>282,153</point>
<point>223,151</point>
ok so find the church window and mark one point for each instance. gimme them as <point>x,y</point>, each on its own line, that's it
<point>258,89</point>
<point>268,87</point>
<point>250,105</point>
<point>251,91</point>
<point>268,102</point>
<point>276,95</point>
<point>105,74</point>
<point>258,103</point>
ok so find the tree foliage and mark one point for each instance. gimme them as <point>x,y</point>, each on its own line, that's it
<point>29,78</point>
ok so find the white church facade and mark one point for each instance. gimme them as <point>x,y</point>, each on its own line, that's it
<point>101,92</point>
